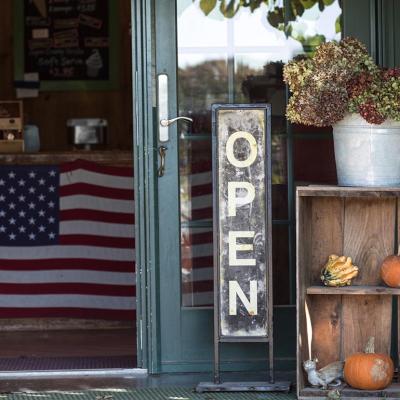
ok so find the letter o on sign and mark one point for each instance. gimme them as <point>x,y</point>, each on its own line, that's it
<point>253,149</point>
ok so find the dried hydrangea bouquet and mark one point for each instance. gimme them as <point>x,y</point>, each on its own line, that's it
<point>342,86</point>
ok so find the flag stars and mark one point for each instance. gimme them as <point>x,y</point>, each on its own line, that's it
<point>31,221</point>
<point>31,205</point>
<point>52,189</point>
<point>11,190</point>
<point>52,235</point>
<point>2,182</point>
<point>41,197</point>
<point>21,182</point>
<point>11,174</point>
<point>2,197</point>
<point>42,228</point>
<point>51,220</point>
<point>22,214</point>
<point>32,189</point>
<point>41,213</point>
<point>12,236</point>
<point>42,181</point>
<point>2,213</point>
<point>2,229</point>
<point>51,204</point>
<point>52,173</point>
<point>32,174</point>
<point>32,236</point>
<point>22,229</point>
<point>12,221</point>
<point>11,206</point>
<point>21,198</point>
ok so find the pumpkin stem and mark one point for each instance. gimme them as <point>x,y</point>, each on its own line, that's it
<point>370,347</point>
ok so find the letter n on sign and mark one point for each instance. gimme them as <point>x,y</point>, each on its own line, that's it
<point>242,222</point>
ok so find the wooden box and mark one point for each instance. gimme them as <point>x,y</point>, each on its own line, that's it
<point>361,223</point>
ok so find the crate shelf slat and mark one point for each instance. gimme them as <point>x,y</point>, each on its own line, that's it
<point>354,290</point>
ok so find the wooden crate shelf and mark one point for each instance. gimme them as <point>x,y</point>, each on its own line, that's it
<point>393,391</point>
<point>361,223</point>
<point>354,290</point>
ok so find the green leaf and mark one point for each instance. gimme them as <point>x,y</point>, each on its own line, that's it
<point>328,2</point>
<point>229,10</point>
<point>308,3</point>
<point>207,6</point>
<point>297,7</point>
<point>338,24</point>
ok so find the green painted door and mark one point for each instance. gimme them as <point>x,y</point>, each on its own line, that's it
<point>214,51</point>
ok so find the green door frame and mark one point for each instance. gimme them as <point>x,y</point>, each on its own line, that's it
<point>145,167</point>
<point>366,13</point>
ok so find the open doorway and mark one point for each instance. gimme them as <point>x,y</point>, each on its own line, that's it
<point>66,105</point>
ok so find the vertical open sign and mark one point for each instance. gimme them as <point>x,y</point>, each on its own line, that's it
<point>242,222</point>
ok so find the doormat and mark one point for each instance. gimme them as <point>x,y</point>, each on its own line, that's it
<point>65,363</point>
<point>145,394</point>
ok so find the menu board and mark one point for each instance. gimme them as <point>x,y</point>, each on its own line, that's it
<point>67,40</point>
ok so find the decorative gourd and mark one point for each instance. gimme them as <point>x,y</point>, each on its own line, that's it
<point>368,370</point>
<point>390,271</point>
<point>338,271</point>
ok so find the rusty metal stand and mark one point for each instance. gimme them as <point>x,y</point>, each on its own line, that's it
<point>261,386</point>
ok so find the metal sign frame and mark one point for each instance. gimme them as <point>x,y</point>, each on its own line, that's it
<point>266,247</point>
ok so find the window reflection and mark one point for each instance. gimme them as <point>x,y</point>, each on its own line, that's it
<point>232,53</point>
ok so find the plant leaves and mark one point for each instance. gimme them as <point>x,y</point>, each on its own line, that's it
<point>229,10</point>
<point>207,6</point>
<point>276,17</point>
<point>308,3</point>
<point>338,24</point>
<point>297,8</point>
<point>328,2</point>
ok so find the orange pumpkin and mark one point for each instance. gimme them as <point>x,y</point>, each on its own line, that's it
<point>368,370</point>
<point>390,271</point>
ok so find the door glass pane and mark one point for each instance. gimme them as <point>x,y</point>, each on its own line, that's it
<point>236,54</point>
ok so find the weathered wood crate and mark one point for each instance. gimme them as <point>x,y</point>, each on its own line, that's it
<point>363,224</point>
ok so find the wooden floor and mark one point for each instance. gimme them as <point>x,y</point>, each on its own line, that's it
<point>68,343</point>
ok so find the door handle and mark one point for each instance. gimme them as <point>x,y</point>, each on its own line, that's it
<point>167,122</point>
<point>162,151</point>
<point>163,118</point>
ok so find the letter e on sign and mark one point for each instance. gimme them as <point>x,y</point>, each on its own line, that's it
<point>242,220</point>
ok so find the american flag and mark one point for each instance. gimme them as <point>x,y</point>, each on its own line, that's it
<point>67,246</point>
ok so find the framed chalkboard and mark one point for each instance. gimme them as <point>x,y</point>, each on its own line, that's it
<point>71,44</point>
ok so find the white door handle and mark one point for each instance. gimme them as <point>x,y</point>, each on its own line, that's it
<point>167,122</point>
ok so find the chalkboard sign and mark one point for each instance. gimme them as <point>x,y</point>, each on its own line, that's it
<point>66,40</point>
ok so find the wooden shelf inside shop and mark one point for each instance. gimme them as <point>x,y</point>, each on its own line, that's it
<point>354,290</point>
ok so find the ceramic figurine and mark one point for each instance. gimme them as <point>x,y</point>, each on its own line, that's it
<point>329,375</point>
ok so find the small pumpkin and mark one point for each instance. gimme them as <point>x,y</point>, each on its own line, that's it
<point>390,271</point>
<point>368,370</point>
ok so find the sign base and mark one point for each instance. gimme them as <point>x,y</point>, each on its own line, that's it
<point>280,386</point>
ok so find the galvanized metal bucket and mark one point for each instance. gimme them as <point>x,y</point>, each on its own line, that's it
<point>367,154</point>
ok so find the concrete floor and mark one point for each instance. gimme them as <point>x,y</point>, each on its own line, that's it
<point>133,379</point>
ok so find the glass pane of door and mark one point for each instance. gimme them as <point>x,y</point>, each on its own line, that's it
<point>236,55</point>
